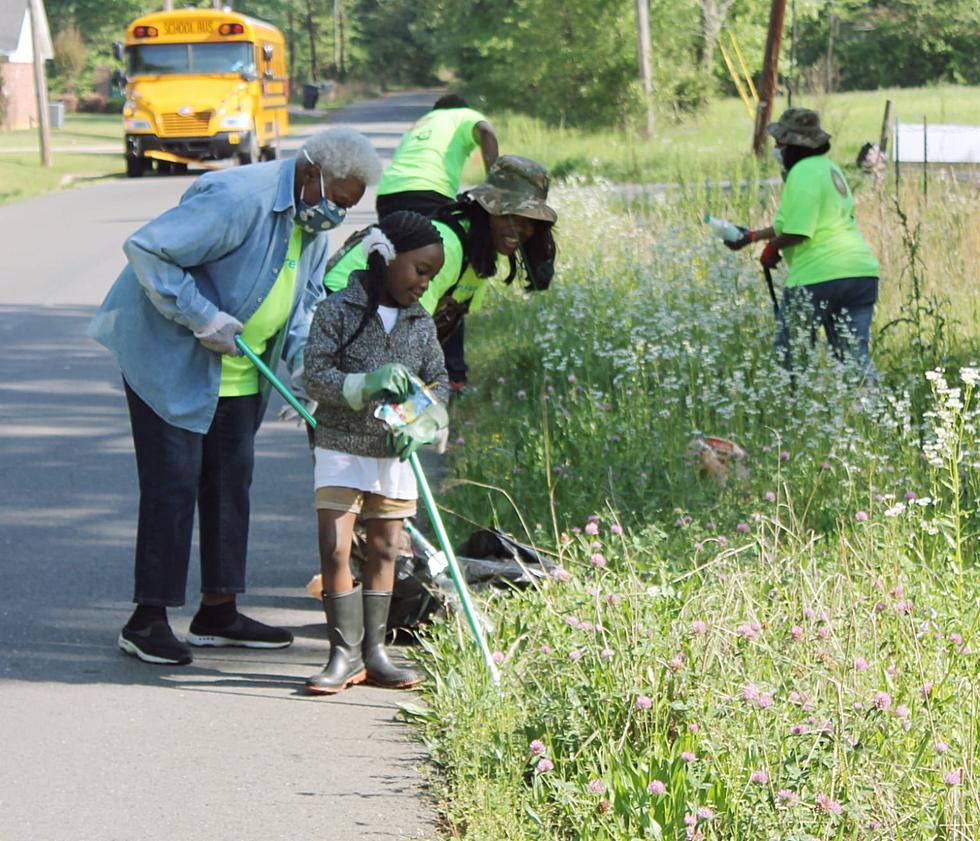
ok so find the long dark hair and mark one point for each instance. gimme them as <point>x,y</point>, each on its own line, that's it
<point>537,254</point>
<point>407,231</point>
<point>792,155</point>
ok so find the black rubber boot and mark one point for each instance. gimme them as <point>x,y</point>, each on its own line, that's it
<point>345,631</point>
<point>380,670</point>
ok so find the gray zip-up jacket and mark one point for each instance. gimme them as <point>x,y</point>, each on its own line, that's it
<point>412,342</point>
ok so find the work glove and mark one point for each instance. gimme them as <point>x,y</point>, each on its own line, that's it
<point>390,382</point>
<point>288,413</point>
<point>770,256</point>
<point>747,238</point>
<point>219,333</point>
<point>423,430</point>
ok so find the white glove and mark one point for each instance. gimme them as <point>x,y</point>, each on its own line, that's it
<point>219,334</point>
<point>288,413</point>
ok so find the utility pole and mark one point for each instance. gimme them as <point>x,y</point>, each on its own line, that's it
<point>791,80</point>
<point>40,85</point>
<point>829,80</point>
<point>643,44</point>
<point>311,31</point>
<point>342,69</point>
<point>770,75</point>
<point>336,37</point>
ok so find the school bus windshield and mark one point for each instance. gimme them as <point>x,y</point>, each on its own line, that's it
<point>172,59</point>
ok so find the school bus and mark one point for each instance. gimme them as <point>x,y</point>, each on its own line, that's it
<point>202,85</point>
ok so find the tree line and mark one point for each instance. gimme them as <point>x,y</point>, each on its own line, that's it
<point>574,62</point>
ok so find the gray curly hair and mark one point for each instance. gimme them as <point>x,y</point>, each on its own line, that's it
<point>344,153</point>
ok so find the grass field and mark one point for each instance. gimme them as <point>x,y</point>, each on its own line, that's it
<point>21,175</point>
<point>712,145</point>
<point>718,140</point>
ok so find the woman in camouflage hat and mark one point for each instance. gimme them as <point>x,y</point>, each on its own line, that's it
<point>506,216</point>
<point>833,276</point>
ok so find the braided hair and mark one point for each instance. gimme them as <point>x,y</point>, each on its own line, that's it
<point>402,231</point>
<point>537,254</point>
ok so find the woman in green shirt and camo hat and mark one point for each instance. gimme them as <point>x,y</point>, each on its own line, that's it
<point>833,276</point>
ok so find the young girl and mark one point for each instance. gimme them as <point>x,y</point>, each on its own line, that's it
<point>364,344</point>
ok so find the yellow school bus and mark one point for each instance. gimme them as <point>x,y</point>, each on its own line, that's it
<point>202,85</point>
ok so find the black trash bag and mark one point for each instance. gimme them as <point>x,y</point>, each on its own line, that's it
<point>415,597</point>
<point>488,558</point>
<point>492,558</point>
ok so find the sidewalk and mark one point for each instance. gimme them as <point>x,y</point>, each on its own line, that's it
<point>97,746</point>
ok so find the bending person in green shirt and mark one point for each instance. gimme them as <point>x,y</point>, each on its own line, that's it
<point>833,276</point>
<point>426,170</point>
<point>507,216</point>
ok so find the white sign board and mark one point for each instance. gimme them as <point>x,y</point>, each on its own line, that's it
<point>943,145</point>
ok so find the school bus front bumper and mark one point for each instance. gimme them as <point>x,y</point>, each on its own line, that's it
<point>222,145</point>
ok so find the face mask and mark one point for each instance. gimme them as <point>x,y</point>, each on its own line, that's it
<point>777,153</point>
<point>324,215</point>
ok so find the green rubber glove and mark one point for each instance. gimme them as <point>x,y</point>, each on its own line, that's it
<point>390,382</point>
<point>423,430</point>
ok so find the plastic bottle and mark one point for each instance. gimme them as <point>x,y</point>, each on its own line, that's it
<point>723,228</point>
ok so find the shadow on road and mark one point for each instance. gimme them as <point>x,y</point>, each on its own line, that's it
<point>68,507</point>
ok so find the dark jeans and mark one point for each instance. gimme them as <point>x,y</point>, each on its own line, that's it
<point>179,470</point>
<point>426,202</point>
<point>843,308</point>
<point>452,350</point>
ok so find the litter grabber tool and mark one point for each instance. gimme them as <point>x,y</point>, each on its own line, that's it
<point>767,271</point>
<point>439,569</point>
<point>455,572</point>
<point>770,259</point>
<point>737,237</point>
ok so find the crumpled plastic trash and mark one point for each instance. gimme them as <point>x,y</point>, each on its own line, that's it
<point>718,459</point>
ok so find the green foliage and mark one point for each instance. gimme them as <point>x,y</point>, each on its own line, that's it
<point>70,55</point>
<point>784,689</point>
<point>572,63</point>
<point>783,655</point>
<point>88,27</point>
<point>897,42</point>
<point>391,45</point>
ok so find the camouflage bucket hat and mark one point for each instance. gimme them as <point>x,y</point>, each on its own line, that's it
<point>515,186</point>
<point>799,127</point>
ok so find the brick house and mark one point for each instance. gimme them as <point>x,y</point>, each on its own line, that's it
<point>17,62</point>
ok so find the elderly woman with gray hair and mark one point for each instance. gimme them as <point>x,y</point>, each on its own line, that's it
<point>242,253</point>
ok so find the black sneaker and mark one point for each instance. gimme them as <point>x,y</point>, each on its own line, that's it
<point>155,644</point>
<point>243,632</point>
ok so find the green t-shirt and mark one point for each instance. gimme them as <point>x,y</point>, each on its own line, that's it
<point>470,288</point>
<point>238,375</point>
<point>432,154</point>
<point>817,204</point>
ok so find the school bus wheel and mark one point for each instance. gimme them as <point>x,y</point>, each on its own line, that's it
<point>251,153</point>
<point>136,166</point>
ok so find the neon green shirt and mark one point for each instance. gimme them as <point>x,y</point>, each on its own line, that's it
<point>432,153</point>
<point>238,375</point>
<point>470,287</point>
<point>817,204</point>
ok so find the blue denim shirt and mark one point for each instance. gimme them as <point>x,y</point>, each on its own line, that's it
<point>220,248</point>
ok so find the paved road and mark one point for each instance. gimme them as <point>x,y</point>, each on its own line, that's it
<point>95,746</point>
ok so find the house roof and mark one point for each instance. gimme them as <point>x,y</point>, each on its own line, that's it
<point>12,14</point>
